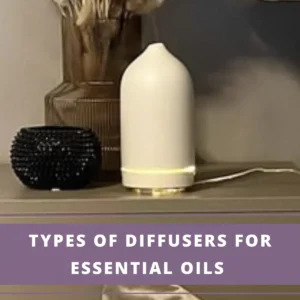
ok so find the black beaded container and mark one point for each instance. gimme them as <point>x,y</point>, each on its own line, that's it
<point>56,157</point>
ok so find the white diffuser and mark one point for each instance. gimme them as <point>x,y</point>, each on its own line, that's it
<point>157,122</point>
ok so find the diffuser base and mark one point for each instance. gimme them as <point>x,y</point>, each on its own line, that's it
<point>158,182</point>
<point>159,192</point>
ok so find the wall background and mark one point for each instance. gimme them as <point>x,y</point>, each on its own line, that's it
<point>30,64</point>
<point>244,56</point>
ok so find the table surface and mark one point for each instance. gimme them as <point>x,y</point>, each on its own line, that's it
<point>255,193</point>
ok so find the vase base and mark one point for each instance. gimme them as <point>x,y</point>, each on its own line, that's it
<point>96,107</point>
<point>109,176</point>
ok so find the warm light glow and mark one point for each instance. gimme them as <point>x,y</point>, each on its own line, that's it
<point>187,170</point>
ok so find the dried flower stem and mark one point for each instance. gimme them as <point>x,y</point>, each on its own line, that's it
<point>99,15</point>
<point>85,11</point>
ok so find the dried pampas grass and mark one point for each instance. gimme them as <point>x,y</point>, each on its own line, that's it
<point>64,6</point>
<point>97,25</point>
<point>87,11</point>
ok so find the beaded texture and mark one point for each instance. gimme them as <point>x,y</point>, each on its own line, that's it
<point>63,158</point>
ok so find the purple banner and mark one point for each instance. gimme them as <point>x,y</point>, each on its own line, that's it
<point>209,254</point>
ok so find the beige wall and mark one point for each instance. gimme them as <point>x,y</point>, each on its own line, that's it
<point>29,63</point>
<point>244,57</point>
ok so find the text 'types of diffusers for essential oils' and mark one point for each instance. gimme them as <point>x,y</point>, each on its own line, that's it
<point>157,123</point>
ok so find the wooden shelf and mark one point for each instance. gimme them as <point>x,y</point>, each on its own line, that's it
<point>255,193</point>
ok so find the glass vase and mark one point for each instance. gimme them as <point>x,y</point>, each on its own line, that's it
<point>94,59</point>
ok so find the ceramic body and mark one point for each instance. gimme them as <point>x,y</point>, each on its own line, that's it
<point>157,122</point>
